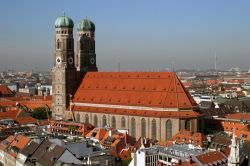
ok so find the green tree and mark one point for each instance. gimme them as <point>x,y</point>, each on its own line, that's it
<point>39,113</point>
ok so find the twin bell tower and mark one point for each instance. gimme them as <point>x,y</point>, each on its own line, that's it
<point>66,71</point>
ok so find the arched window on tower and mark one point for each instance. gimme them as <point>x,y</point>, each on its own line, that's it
<point>78,117</point>
<point>133,127</point>
<point>58,44</point>
<point>113,122</point>
<point>123,122</point>
<point>143,127</point>
<point>95,121</point>
<point>187,124</point>
<point>153,129</point>
<point>104,121</point>
<point>168,129</point>
<point>86,118</point>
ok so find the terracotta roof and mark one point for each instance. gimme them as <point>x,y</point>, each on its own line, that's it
<point>150,89</point>
<point>211,157</point>
<point>5,91</point>
<point>188,137</point>
<point>97,133</point>
<point>30,104</point>
<point>25,120</point>
<point>239,116</point>
<point>162,114</point>
<point>9,114</point>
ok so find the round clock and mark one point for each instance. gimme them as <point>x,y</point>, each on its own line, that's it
<point>58,60</point>
<point>70,60</point>
<point>92,60</point>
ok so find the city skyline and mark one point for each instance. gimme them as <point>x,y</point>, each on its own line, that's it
<point>139,35</point>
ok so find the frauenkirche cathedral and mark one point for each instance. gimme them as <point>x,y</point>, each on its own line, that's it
<point>148,104</point>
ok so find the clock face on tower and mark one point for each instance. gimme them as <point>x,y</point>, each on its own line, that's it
<point>58,60</point>
<point>92,60</point>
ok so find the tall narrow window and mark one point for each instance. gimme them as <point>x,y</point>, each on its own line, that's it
<point>86,118</point>
<point>123,122</point>
<point>78,117</point>
<point>95,121</point>
<point>133,127</point>
<point>113,123</point>
<point>104,121</point>
<point>168,129</point>
<point>58,44</point>
<point>153,129</point>
<point>143,127</point>
<point>187,124</point>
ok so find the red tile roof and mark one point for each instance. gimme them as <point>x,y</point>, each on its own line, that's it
<point>188,137</point>
<point>211,157</point>
<point>239,116</point>
<point>30,104</point>
<point>25,120</point>
<point>9,114</point>
<point>150,89</point>
<point>5,91</point>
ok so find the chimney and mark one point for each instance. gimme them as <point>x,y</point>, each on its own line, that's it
<point>110,132</point>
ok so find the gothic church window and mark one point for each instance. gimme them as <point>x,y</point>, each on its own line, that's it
<point>95,121</point>
<point>104,121</point>
<point>113,123</point>
<point>86,118</point>
<point>78,117</point>
<point>133,127</point>
<point>123,122</point>
<point>153,127</point>
<point>187,124</point>
<point>58,44</point>
<point>168,129</point>
<point>143,127</point>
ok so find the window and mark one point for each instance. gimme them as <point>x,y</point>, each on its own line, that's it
<point>123,122</point>
<point>113,123</point>
<point>78,117</point>
<point>58,44</point>
<point>95,121</point>
<point>143,127</point>
<point>104,121</point>
<point>187,124</point>
<point>153,129</point>
<point>168,129</point>
<point>86,118</point>
<point>133,127</point>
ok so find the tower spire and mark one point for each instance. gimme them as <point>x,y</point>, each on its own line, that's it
<point>234,157</point>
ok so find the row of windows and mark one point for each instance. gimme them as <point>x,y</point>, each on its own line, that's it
<point>59,44</point>
<point>64,32</point>
<point>168,125</point>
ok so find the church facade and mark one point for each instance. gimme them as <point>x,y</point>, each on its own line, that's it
<point>146,104</point>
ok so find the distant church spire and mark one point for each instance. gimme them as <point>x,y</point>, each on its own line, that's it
<point>234,157</point>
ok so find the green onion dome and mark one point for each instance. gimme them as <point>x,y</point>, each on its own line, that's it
<point>86,25</point>
<point>64,22</point>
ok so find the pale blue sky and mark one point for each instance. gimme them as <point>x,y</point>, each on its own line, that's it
<point>141,35</point>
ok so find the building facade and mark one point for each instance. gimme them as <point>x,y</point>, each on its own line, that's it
<point>148,104</point>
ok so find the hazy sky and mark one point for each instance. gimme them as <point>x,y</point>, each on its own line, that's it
<point>141,35</point>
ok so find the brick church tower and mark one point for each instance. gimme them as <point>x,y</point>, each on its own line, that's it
<point>86,57</point>
<point>64,71</point>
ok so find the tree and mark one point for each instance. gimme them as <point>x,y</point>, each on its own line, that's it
<point>39,113</point>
